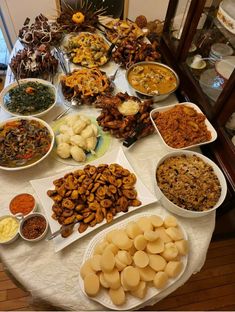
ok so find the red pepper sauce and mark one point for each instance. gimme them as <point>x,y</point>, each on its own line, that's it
<point>22,203</point>
<point>34,227</point>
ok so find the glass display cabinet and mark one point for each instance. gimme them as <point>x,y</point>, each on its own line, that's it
<point>198,41</point>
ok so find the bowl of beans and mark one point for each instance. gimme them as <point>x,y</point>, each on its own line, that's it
<point>33,227</point>
<point>22,203</point>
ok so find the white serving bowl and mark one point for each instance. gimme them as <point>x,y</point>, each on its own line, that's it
<point>189,104</point>
<point>169,205</point>
<point>40,159</point>
<point>155,97</point>
<point>23,81</point>
<point>29,216</point>
<point>11,240</point>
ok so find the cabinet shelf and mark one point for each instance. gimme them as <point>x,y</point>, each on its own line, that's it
<point>219,109</point>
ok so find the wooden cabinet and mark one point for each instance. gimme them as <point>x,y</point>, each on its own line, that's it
<point>200,46</point>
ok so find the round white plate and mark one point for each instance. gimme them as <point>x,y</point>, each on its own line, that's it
<point>131,302</point>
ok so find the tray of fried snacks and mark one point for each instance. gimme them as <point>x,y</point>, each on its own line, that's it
<point>84,85</point>
<point>37,62</point>
<point>41,31</point>
<point>130,51</point>
<point>134,260</point>
<point>92,196</point>
<point>117,29</point>
<point>182,126</point>
<point>122,114</point>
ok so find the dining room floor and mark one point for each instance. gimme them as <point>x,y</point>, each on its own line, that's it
<point>213,288</point>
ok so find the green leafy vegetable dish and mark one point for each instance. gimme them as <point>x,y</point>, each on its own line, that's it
<point>30,98</point>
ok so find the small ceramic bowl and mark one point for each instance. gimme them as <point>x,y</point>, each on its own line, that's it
<point>9,229</point>
<point>33,227</point>
<point>18,203</point>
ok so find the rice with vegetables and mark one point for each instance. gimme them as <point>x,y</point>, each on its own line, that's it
<point>189,182</point>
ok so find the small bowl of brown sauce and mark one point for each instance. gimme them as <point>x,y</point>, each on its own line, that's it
<point>33,227</point>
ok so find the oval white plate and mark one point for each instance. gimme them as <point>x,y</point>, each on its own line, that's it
<point>131,302</point>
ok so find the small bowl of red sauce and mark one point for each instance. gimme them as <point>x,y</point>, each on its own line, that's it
<point>23,203</point>
<point>33,227</point>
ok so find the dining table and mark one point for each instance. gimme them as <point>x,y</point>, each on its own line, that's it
<point>52,277</point>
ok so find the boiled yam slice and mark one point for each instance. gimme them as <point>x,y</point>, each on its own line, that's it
<point>157,262</point>
<point>182,246</point>
<point>113,278</point>
<point>141,259</point>
<point>173,268</point>
<point>117,296</point>
<point>175,233</point>
<point>170,252</point>
<point>114,249</point>
<point>107,261</point>
<point>150,236</point>
<point>146,274</point>
<point>170,221</point>
<point>161,231</point>
<point>86,269</point>
<point>160,280</point>
<point>131,276</point>
<point>99,248</point>
<point>141,290</point>
<point>91,284</point>
<point>124,257</point>
<point>156,221</point>
<point>133,230</point>
<point>103,281</point>
<point>119,265</point>
<point>121,240</point>
<point>145,224</point>
<point>155,247</point>
<point>140,242</point>
<point>95,263</point>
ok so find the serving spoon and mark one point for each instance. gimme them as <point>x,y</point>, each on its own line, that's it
<point>74,103</point>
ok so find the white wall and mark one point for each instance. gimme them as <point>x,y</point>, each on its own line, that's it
<point>152,9</point>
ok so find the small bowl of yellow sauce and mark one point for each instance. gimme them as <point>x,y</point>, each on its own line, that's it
<point>152,80</point>
<point>9,229</point>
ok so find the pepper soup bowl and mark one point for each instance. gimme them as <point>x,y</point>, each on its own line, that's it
<point>143,77</point>
<point>33,227</point>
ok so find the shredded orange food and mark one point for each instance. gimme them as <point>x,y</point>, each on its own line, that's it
<point>87,81</point>
<point>182,126</point>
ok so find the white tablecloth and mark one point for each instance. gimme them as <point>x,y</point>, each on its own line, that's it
<point>53,277</point>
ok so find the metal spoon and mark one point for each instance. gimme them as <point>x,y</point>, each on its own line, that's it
<point>73,104</point>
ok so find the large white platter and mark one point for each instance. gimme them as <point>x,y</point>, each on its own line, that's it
<point>152,292</point>
<point>41,186</point>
